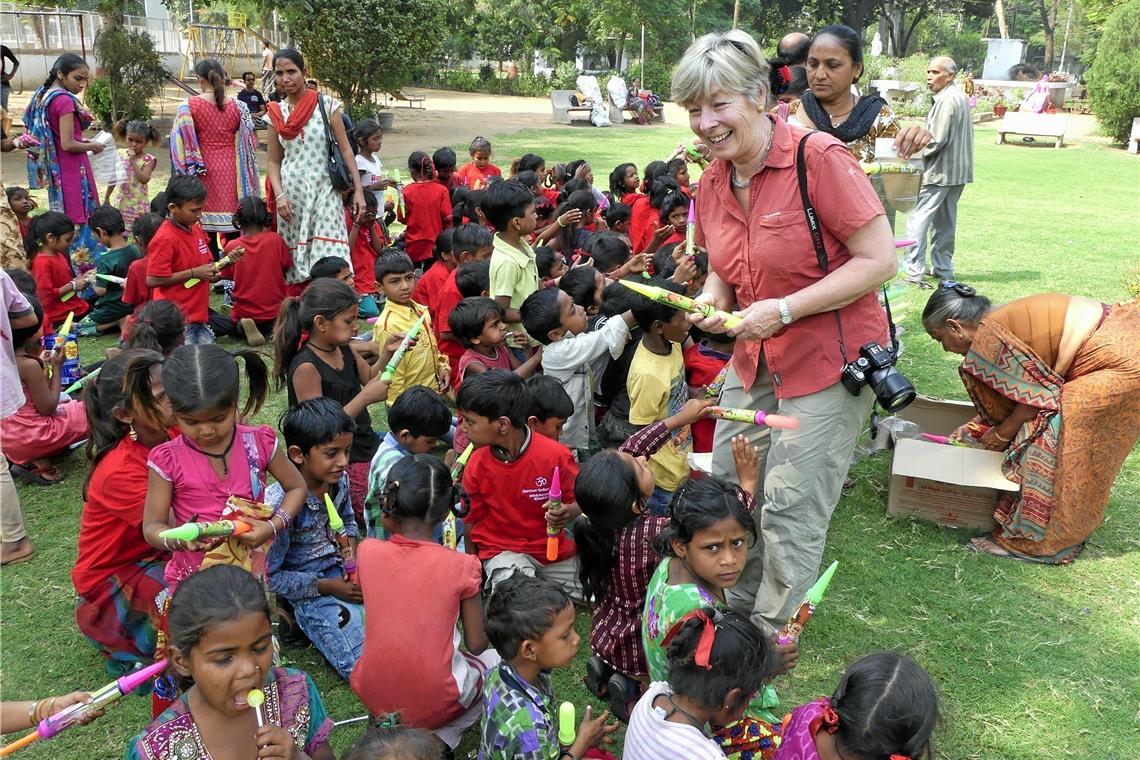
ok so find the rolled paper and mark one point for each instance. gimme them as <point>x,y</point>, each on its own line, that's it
<point>795,625</point>
<point>567,731</point>
<point>255,699</point>
<point>219,265</point>
<point>192,531</point>
<point>890,167</point>
<point>112,278</point>
<point>754,417</point>
<point>461,463</point>
<point>115,690</point>
<point>691,230</point>
<point>390,368</point>
<point>83,380</point>
<point>555,499</point>
<point>678,301</point>
<point>904,243</point>
<point>944,440</point>
<point>347,555</point>
<point>717,385</point>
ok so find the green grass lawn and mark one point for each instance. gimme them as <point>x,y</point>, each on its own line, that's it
<point>1032,661</point>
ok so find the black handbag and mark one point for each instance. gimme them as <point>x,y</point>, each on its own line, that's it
<point>338,172</point>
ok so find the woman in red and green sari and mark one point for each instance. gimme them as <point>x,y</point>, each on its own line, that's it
<point>1056,382</point>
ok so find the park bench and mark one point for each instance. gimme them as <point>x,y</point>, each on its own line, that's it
<point>1134,137</point>
<point>406,97</point>
<point>1034,124</point>
<point>564,111</point>
<point>618,113</point>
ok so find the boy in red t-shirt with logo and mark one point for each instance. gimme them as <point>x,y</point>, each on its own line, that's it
<point>508,478</point>
<point>180,254</point>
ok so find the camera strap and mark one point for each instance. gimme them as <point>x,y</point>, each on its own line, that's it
<point>821,252</point>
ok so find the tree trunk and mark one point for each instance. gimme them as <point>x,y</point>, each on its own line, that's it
<point>999,11</point>
<point>1049,22</point>
<point>856,13</point>
<point>736,14</point>
<point>620,52</point>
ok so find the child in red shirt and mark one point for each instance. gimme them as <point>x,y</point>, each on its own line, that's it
<point>366,240</point>
<point>426,210</point>
<point>508,479</point>
<point>475,174</point>
<point>180,253</point>
<point>431,282</point>
<point>259,277</point>
<point>470,242</point>
<point>136,292</point>
<point>49,237</point>
<point>704,358</point>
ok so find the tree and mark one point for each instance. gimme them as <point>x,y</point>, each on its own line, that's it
<point>369,49</point>
<point>900,28</point>
<point>1114,80</point>
<point>1048,11</point>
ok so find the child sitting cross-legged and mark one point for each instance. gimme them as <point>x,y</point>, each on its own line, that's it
<point>717,662</point>
<point>885,705</point>
<point>259,277</point>
<point>416,590</point>
<point>423,364</point>
<point>508,479</point>
<point>108,310</point>
<point>416,422</point>
<point>553,319</point>
<point>305,565</point>
<point>657,389</point>
<point>530,621</point>
<point>550,406</point>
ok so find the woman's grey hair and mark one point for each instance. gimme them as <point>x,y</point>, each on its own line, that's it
<point>953,300</point>
<point>730,61</point>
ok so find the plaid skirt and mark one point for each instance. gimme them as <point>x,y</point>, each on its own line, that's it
<point>120,617</point>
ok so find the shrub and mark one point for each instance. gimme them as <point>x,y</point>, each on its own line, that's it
<point>565,76</point>
<point>1114,80</point>
<point>658,80</point>
<point>131,74</point>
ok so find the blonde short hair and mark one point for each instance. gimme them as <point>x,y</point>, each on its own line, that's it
<point>731,61</point>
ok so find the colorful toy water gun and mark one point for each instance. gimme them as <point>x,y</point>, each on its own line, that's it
<point>219,265</point>
<point>555,499</point>
<point>461,463</point>
<point>78,384</point>
<point>945,440</point>
<point>795,625</point>
<point>753,417</point>
<point>713,390</point>
<point>347,554</point>
<point>112,278</point>
<point>678,301</point>
<point>100,699</point>
<point>61,337</point>
<point>890,167</point>
<point>567,731</point>
<point>450,528</point>
<point>192,531</point>
<point>390,367</point>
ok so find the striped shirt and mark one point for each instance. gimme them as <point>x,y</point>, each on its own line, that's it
<point>949,156</point>
<point>651,737</point>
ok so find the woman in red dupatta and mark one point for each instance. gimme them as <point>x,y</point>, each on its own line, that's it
<point>1056,382</point>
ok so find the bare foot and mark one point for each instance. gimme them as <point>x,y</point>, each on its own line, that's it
<point>16,551</point>
<point>986,545</point>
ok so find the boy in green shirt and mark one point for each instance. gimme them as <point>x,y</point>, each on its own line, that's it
<point>509,207</point>
<point>108,308</point>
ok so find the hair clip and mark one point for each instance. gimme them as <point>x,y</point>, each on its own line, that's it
<point>900,757</point>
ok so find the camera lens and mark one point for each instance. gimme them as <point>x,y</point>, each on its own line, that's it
<point>892,389</point>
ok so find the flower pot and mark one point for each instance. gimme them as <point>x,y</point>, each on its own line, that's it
<point>999,110</point>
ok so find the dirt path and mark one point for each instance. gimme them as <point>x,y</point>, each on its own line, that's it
<point>447,118</point>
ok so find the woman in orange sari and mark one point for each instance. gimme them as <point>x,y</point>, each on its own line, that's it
<point>1056,382</point>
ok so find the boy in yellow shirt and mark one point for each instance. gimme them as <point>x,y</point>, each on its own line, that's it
<point>657,390</point>
<point>423,364</point>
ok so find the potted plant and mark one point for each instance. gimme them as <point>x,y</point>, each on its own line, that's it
<point>1000,107</point>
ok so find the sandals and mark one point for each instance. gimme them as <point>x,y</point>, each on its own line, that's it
<point>37,475</point>
<point>623,693</point>
<point>597,678</point>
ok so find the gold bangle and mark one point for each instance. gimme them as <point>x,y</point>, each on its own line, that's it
<point>999,436</point>
<point>33,712</point>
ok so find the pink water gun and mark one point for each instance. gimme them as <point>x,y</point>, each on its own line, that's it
<point>555,499</point>
<point>753,417</point>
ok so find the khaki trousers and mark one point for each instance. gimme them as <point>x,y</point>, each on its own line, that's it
<point>801,476</point>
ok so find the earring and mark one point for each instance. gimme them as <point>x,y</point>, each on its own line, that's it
<point>132,433</point>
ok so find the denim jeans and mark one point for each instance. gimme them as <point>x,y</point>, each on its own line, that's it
<point>658,503</point>
<point>336,629</point>
<point>198,333</point>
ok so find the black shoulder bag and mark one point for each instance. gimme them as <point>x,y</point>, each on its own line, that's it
<point>338,172</point>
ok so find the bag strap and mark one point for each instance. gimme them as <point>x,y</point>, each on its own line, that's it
<point>325,118</point>
<point>821,251</point>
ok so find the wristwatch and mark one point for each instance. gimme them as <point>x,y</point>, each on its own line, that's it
<point>785,312</point>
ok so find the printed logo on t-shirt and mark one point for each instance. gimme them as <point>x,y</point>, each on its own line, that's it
<point>203,248</point>
<point>541,482</point>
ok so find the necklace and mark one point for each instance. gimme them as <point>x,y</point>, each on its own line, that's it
<point>740,184</point>
<point>835,116</point>
<point>689,716</point>
<point>322,349</point>
<point>223,457</point>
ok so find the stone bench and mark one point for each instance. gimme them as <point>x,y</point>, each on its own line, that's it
<point>1034,124</point>
<point>564,111</point>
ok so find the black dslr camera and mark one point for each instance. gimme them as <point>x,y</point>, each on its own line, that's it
<point>876,367</point>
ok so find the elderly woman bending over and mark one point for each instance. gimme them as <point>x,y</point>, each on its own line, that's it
<point>806,311</point>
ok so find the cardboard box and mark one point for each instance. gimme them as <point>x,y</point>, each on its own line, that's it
<point>953,486</point>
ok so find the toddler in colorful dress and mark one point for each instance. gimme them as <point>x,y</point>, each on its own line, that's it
<point>132,197</point>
